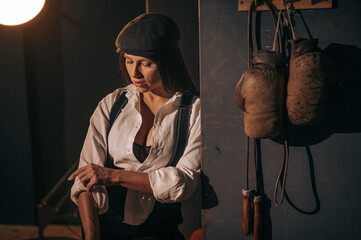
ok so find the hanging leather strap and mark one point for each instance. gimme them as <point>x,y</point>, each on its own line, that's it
<point>278,34</point>
<point>281,178</point>
<point>246,200</point>
<point>287,4</point>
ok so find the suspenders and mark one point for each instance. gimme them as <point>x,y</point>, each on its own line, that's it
<point>117,194</point>
<point>182,125</point>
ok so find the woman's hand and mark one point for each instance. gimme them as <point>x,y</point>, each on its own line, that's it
<point>92,174</point>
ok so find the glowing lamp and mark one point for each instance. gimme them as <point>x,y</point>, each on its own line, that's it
<point>16,12</point>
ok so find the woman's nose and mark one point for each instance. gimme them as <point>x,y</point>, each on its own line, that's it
<point>135,72</point>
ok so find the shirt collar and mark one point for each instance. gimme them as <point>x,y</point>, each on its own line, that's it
<point>134,96</point>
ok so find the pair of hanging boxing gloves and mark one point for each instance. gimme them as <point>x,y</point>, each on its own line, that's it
<point>263,92</point>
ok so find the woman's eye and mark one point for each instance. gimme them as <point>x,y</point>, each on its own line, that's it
<point>146,64</point>
<point>129,62</point>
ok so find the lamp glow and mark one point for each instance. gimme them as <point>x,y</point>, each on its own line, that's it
<point>16,12</point>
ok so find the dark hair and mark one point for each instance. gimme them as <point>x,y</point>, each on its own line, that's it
<point>173,72</point>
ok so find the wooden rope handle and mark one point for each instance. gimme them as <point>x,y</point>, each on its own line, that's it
<point>246,212</point>
<point>257,218</point>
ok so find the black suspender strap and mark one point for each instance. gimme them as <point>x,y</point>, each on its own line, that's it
<point>182,129</point>
<point>117,107</point>
<point>182,125</point>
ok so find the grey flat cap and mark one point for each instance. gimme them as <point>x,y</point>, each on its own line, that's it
<point>147,34</point>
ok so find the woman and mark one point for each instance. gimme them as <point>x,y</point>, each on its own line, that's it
<point>141,141</point>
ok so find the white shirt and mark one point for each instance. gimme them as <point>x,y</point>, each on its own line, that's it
<point>169,184</point>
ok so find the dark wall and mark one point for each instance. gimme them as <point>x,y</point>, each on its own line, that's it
<point>324,167</point>
<point>185,14</point>
<point>15,147</point>
<point>54,71</point>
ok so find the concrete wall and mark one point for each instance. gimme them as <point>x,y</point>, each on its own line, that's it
<point>322,185</point>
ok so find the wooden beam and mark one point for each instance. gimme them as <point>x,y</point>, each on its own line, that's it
<point>243,5</point>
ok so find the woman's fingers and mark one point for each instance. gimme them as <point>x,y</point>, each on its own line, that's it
<point>84,179</point>
<point>80,170</point>
<point>92,174</point>
<point>73,175</point>
<point>93,181</point>
<point>77,172</point>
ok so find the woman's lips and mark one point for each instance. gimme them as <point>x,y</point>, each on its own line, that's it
<point>139,84</point>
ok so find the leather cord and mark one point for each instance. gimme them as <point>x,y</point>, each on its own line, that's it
<point>286,3</point>
<point>252,8</point>
<point>281,178</point>
<point>247,216</point>
<point>277,30</point>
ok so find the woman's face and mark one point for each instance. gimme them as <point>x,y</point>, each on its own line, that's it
<point>144,73</point>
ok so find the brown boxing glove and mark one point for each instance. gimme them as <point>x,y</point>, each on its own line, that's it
<point>260,94</point>
<point>310,78</point>
<point>260,91</point>
<point>257,218</point>
<point>246,212</point>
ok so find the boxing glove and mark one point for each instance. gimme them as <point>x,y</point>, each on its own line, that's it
<point>260,94</point>
<point>310,78</point>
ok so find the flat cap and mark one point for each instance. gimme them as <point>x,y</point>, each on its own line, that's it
<point>147,34</point>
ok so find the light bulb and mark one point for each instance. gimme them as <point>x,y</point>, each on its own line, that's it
<point>16,12</point>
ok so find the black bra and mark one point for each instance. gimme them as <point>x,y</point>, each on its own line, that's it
<point>140,152</point>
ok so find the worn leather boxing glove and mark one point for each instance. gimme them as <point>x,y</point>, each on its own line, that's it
<point>310,78</point>
<point>260,94</point>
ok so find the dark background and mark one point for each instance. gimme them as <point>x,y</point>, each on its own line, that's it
<point>56,68</point>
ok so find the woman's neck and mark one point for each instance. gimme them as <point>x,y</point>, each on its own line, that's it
<point>154,100</point>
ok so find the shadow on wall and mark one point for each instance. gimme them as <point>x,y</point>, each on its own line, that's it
<point>209,196</point>
<point>344,109</point>
<point>343,116</point>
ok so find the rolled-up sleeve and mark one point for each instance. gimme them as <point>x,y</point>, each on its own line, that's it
<point>175,184</point>
<point>94,151</point>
